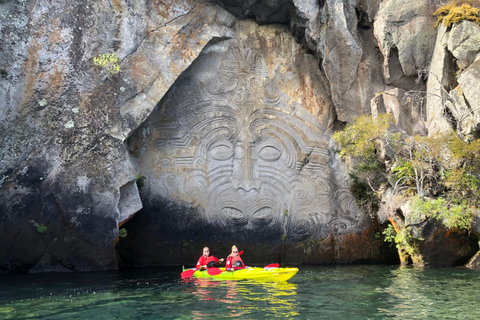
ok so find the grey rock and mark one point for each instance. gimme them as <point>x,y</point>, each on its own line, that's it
<point>342,57</point>
<point>441,75</point>
<point>263,11</point>
<point>474,262</point>
<point>462,112</point>
<point>44,265</point>
<point>464,42</point>
<point>406,37</point>
<point>406,109</point>
<point>469,84</point>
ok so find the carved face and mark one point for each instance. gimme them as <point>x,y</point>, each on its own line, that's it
<point>234,145</point>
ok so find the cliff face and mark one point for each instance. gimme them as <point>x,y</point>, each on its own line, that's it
<point>225,108</point>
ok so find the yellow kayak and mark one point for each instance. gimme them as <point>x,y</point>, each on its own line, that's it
<point>249,273</point>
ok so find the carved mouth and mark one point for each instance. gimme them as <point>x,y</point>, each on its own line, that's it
<point>235,215</point>
<point>262,216</point>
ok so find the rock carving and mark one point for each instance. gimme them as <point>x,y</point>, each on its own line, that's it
<point>235,146</point>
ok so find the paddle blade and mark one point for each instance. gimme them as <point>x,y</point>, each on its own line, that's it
<point>240,253</point>
<point>213,271</point>
<point>271,266</point>
<point>188,273</point>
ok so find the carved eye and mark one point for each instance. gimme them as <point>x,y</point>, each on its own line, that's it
<point>269,153</point>
<point>221,152</point>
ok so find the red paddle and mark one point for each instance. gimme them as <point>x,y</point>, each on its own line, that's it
<point>271,266</point>
<point>188,273</point>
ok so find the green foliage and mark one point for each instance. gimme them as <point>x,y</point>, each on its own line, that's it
<point>405,242</point>
<point>368,164</point>
<point>140,181</point>
<point>463,184</point>
<point>285,213</point>
<point>404,169</point>
<point>360,137</point>
<point>453,215</point>
<point>41,228</point>
<point>122,233</point>
<point>456,11</point>
<point>468,151</point>
<point>361,191</point>
<point>109,61</point>
<point>360,140</point>
<point>389,234</point>
<point>364,195</point>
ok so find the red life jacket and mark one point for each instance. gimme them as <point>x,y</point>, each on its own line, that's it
<point>211,261</point>
<point>202,261</point>
<point>237,263</point>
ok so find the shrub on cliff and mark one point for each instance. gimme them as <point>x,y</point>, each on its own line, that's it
<point>439,176</point>
<point>456,11</point>
<point>360,140</point>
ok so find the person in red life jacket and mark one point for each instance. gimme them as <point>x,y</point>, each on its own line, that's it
<point>234,262</point>
<point>206,260</point>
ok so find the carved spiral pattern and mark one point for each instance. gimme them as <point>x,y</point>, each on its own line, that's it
<point>347,203</point>
<point>303,225</point>
<point>303,193</point>
<point>340,226</point>
<point>193,223</point>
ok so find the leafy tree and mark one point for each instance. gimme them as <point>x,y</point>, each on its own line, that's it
<point>360,137</point>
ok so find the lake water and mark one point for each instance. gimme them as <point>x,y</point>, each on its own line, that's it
<point>316,292</point>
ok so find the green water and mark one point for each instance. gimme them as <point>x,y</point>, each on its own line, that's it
<point>334,292</point>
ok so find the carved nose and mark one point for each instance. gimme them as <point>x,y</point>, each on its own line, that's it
<point>244,163</point>
<point>246,184</point>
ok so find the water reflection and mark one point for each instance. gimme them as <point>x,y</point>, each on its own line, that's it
<point>416,293</point>
<point>241,298</point>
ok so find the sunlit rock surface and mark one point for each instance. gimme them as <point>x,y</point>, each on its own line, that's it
<point>406,36</point>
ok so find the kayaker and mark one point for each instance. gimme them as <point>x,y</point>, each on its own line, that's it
<point>206,260</point>
<point>234,262</point>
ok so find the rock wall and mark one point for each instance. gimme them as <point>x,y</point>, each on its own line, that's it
<point>75,138</point>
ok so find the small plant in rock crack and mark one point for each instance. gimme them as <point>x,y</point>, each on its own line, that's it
<point>40,227</point>
<point>109,61</point>
<point>122,233</point>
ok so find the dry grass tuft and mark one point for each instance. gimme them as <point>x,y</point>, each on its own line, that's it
<point>456,11</point>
